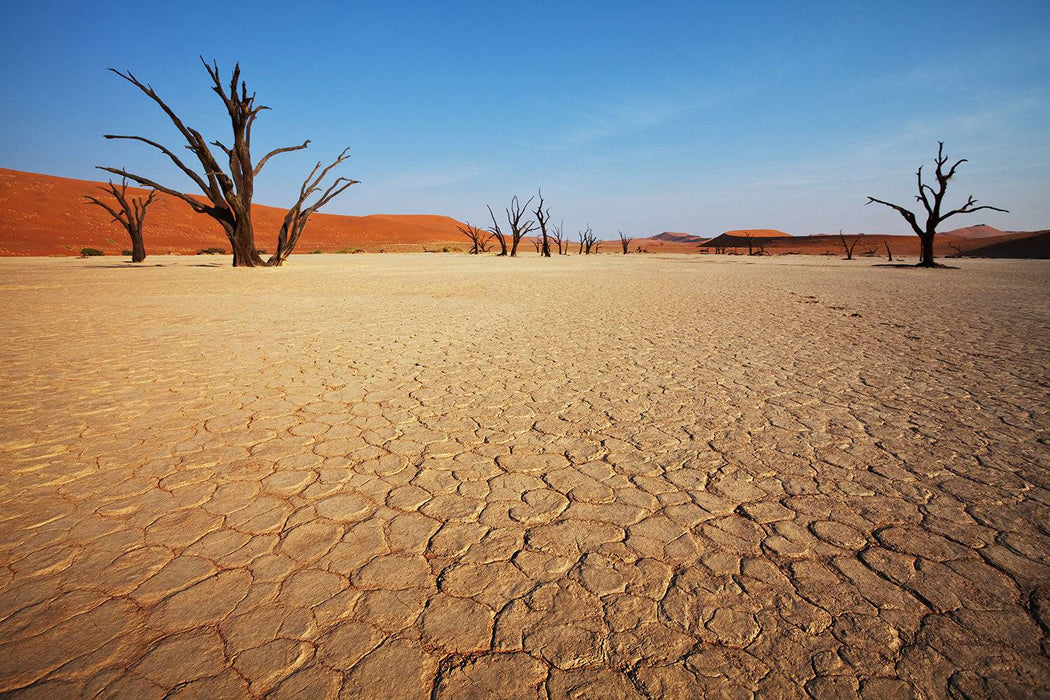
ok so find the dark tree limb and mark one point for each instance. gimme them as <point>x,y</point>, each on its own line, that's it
<point>518,228</point>
<point>498,234</point>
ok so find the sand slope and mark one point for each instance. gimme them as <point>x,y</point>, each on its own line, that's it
<point>46,215</point>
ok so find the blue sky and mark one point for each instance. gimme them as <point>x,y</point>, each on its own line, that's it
<point>640,116</point>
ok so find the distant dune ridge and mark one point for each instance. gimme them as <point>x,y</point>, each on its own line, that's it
<point>47,215</point>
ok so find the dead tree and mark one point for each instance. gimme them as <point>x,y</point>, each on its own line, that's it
<point>477,236</point>
<point>129,213</point>
<point>749,239</point>
<point>542,217</point>
<point>625,241</point>
<point>588,242</point>
<point>850,245</point>
<point>518,228</point>
<point>228,192</point>
<point>558,238</point>
<point>537,244</point>
<point>295,220</point>
<point>498,234</point>
<point>889,253</point>
<point>934,217</point>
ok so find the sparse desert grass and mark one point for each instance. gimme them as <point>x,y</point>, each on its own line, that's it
<point>427,475</point>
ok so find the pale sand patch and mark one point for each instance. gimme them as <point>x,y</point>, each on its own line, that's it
<point>608,476</point>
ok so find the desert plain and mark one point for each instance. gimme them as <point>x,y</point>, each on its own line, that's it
<point>472,477</point>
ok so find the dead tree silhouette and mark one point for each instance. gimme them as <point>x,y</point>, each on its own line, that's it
<point>477,236</point>
<point>228,195</point>
<point>934,217</point>
<point>848,246</point>
<point>518,228</point>
<point>625,241</point>
<point>542,217</point>
<point>129,212</point>
<point>889,253</point>
<point>498,234</point>
<point>749,239</point>
<point>559,239</point>
<point>588,241</point>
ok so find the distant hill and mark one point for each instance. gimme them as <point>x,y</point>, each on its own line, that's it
<point>974,232</point>
<point>47,215</point>
<point>676,237</point>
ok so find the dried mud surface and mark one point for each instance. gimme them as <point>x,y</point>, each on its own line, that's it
<point>438,476</point>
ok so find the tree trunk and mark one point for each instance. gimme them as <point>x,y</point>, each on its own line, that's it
<point>243,243</point>
<point>138,247</point>
<point>926,256</point>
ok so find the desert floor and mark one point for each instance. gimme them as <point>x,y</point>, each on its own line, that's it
<point>444,476</point>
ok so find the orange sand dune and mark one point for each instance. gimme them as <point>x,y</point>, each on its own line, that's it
<point>47,215</point>
<point>757,233</point>
<point>974,232</point>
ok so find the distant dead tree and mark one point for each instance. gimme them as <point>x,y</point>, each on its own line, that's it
<point>129,212</point>
<point>889,253</point>
<point>848,246</point>
<point>498,234</point>
<point>558,238</point>
<point>542,217</point>
<point>749,239</point>
<point>537,244</point>
<point>625,241</point>
<point>518,228</point>
<point>228,194</point>
<point>957,249</point>
<point>588,241</point>
<point>760,243</point>
<point>934,217</point>
<point>478,238</point>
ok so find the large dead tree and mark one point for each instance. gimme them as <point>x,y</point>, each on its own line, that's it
<point>542,217</point>
<point>129,212</point>
<point>849,245</point>
<point>498,234</point>
<point>518,228</point>
<point>625,241</point>
<point>933,206</point>
<point>478,238</point>
<point>228,192</point>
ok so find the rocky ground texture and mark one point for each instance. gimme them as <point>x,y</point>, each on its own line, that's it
<point>453,477</point>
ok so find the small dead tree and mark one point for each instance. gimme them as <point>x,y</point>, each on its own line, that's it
<point>518,228</point>
<point>558,238</point>
<point>478,238</point>
<point>749,239</point>
<point>889,253</point>
<point>295,220</point>
<point>498,234</point>
<point>129,212</point>
<point>228,192</point>
<point>932,201</point>
<point>542,217</point>
<point>625,241</point>
<point>588,241</point>
<point>537,244</point>
<point>849,245</point>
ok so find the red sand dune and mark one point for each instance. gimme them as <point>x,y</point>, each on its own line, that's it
<point>974,232</point>
<point>757,233</point>
<point>674,237</point>
<point>47,215</point>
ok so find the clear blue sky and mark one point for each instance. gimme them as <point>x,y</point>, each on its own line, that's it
<point>641,116</point>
